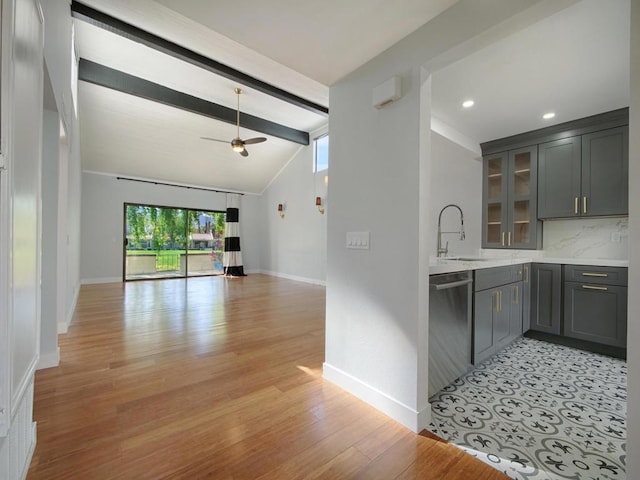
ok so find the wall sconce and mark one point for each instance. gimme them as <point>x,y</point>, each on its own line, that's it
<point>319,205</point>
<point>281,210</point>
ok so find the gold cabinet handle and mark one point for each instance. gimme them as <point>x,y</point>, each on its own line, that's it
<point>516,294</point>
<point>503,239</point>
<point>584,204</point>
<point>593,287</point>
<point>499,300</point>
<point>494,302</point>
<point>526,273</point>
<point>509,241</point>
<point>591,274</point>
<point>575,206</point>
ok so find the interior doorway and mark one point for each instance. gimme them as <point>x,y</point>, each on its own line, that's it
<point>170,242</point>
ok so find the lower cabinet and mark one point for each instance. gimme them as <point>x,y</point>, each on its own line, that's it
<point>546,298</point>
<point>595,308</point>
<point>580,302</point>
<point>497,310</point>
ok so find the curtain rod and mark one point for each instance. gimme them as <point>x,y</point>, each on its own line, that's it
<point>176,185</point>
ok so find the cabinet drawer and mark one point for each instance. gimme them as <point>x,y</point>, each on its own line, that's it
<point>596,275</point>
<point>494,277</point>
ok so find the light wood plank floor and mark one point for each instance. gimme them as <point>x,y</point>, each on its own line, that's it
<point>215,378</point>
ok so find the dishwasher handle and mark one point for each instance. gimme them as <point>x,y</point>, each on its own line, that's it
<point>459,283</point>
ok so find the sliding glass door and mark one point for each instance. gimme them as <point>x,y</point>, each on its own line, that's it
<point>166,242</point>
<point>206,243</point>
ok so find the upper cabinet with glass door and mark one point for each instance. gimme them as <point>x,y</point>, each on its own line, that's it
<point>509,217</point>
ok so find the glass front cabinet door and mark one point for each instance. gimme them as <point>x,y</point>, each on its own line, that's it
<point>509,217</point>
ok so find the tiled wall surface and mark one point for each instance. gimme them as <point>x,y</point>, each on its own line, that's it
<point>587,238</point>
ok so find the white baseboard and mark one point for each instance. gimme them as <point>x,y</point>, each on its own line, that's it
<point>49,360</point>
<point>32,448</point>
<point>92,281</point>
<point>313,281</point>
<point>401,413</point>
<point>63,327</point>
<point>17,447</point>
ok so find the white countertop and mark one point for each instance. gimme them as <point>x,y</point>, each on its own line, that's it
<point>448,265</point>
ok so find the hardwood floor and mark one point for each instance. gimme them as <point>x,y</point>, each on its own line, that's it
<point>215,378</point>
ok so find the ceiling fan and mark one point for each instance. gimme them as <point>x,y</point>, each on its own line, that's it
<point>237,144</point>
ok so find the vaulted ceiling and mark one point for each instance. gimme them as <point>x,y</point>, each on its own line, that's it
<point>156,76</point>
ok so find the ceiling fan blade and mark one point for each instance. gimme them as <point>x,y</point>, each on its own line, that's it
<point>249,141</point>
<point>244,153</point>
<point>214,139</point>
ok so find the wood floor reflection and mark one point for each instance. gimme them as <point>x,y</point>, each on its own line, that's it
<point>215,378</point>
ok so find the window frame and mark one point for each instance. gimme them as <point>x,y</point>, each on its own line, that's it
<point>316,142</point>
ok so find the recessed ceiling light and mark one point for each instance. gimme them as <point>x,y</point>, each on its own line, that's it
<point>468,103</point>
<point>549,115</point>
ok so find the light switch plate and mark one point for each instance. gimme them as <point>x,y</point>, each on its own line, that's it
<point>358,240</point>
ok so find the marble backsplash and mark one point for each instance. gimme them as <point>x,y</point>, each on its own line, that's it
<point>586,238</point>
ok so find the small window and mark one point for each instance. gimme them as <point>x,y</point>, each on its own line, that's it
<point>321,153</point>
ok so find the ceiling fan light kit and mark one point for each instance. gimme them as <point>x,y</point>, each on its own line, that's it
<point>237,144</point>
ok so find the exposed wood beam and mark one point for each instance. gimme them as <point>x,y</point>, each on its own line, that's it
<point>123,82</point>
<point>119,27</point>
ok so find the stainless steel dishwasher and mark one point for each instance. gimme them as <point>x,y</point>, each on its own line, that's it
<point>450,297</point>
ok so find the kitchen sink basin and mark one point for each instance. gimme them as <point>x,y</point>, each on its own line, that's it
<point>474,259</point>
<point>465,259</point>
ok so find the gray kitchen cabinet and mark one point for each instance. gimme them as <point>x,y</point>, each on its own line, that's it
<point>497,309</point>
<point>546,298</point>
<point>559,178</point>
<point>595,304</point>
<point>585,175</point>
<point>509,192</point>
<point>605,172</point>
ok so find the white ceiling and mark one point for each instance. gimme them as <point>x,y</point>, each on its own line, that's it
<point>322,40</point>
<point>575,62</point>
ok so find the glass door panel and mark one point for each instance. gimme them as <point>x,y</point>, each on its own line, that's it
<point>206,243</point>
<point>494,222</point>
<point>522,197</point>
<point>155,237</point>
<point>494,178</point>
<point>521,221</point>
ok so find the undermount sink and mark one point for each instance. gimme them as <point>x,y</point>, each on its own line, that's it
<point>465,259</point>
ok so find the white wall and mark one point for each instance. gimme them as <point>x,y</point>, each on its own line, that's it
<point>377,306</point>
<point>58,60</point>
<point>20,222</point>
<point>49,352</point>
<point>296,246</point>
<point>456,177</point>
<point>103,199</point>
<point>633,332</point>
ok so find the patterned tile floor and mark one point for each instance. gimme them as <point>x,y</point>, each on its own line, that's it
<point>539,411</point>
